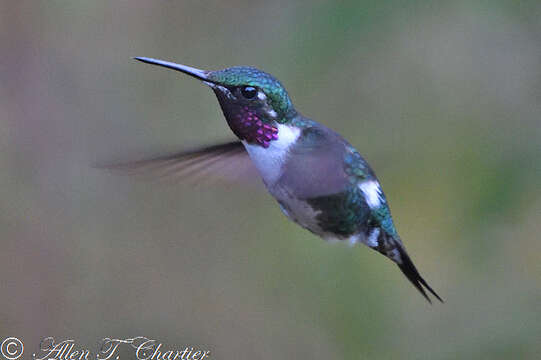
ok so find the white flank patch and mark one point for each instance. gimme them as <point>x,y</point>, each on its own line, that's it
<point>372,193</point>
<point>269,160</point>
<point>353,239</point>
<point>372,240</point>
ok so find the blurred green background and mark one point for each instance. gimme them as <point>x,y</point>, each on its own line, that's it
<point>443,99</point>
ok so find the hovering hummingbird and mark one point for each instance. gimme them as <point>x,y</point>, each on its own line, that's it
<point>319,180</point>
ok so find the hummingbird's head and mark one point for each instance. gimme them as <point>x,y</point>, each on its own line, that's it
<point>254,103</point>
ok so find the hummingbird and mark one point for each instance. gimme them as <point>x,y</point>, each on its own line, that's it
<point>319,180</point>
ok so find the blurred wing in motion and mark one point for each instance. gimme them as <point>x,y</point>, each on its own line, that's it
<point>229,162</point>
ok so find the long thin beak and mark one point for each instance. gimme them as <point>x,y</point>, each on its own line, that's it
<point>196,73</point>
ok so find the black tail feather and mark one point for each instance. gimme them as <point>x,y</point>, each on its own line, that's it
<point>413,275</point>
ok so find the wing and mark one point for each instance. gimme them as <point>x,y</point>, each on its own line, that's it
<point>350,203</point>
<point>228,161</point>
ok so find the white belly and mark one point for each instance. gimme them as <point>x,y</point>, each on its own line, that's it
<point>269,161</point>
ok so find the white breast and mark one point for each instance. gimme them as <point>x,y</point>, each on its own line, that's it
<point>372,193</point>
<point>269,161</point>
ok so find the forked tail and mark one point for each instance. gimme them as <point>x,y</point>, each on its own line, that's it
<point>406,265</point>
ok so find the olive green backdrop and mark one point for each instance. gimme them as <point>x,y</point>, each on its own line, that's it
<point>443,99</point>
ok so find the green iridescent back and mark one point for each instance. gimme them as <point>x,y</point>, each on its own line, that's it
<point>347,213</point>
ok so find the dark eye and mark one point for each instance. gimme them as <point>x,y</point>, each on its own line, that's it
<point>249,92</point>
